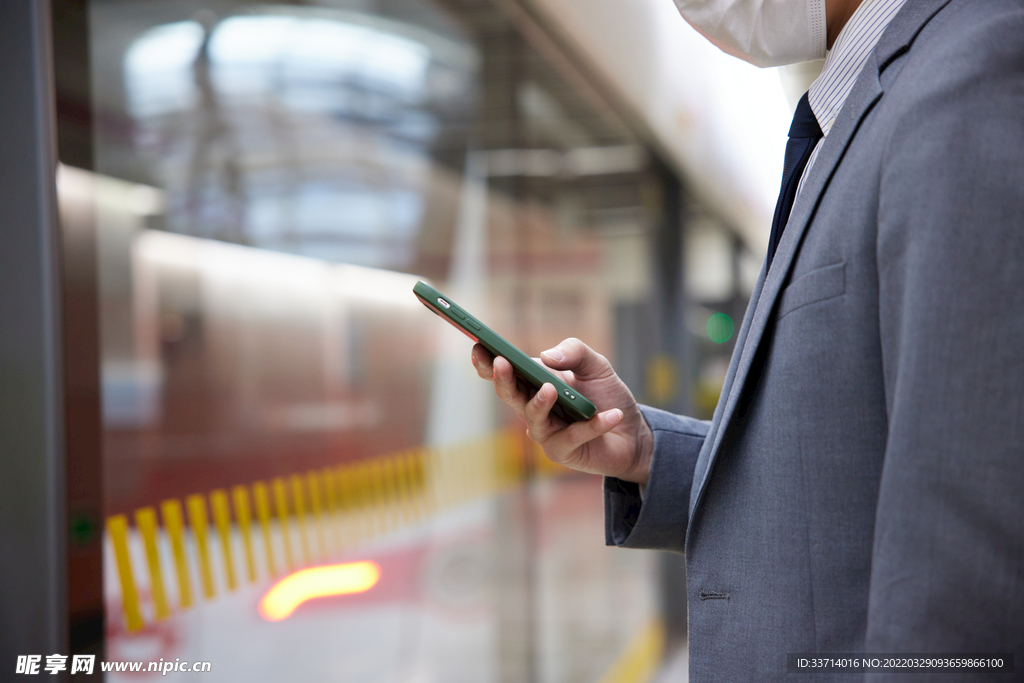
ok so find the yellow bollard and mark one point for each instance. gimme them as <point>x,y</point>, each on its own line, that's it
<point>299,501</point>
<point>281,503</point>
<point>313,481</point>
<point>175,524</point>
<point>196,507</point>
<point>262,498</point>
<point>222,520</point>
<point>117,529</point>
<point>331,498</point>
<point>240,496</point>
<point>145,522</point>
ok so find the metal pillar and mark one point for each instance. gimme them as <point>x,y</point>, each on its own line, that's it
<point>33,603</point>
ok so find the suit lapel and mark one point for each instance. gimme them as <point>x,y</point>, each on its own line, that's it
<point>866,92</point>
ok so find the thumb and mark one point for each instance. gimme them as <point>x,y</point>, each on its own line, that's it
<point>583,361</point>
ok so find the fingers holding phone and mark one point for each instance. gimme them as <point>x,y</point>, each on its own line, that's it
<point>574,356</point>
<point>556,396</point>
<point>483,361</point>
<point>616,441</point>
<point>562,442</point>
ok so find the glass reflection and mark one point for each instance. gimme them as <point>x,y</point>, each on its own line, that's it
<point>304,130</point>
<point>276,400</point>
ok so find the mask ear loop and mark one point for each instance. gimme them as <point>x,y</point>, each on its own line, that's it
<point>818,25</point>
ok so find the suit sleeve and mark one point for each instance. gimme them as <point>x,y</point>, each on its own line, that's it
<point>948,560</point>
<point>659,520</point>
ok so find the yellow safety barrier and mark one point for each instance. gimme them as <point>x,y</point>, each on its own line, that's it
<point>640,660</point>
<point>196,507</point>
<point>332,506</point>
<point>145,521</point>
<point>345,505</point>
<point>175,525</point>
<point>313,481</point>
<point>299,502</point>
<point>117,527</point>
<point>281,503</point>
<point>240,495</point>
<point>222,521</point>
<point>259,490</point>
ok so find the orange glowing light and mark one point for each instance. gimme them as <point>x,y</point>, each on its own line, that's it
<point>285,596</point>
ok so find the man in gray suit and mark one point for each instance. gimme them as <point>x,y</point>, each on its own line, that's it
<point>861,486</point>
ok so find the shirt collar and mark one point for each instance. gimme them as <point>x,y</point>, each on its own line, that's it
<point>846,58</point>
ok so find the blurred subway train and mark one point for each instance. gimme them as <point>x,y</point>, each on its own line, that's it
<point>307,412</point>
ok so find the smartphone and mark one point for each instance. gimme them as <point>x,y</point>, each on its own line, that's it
<point>571,406</point>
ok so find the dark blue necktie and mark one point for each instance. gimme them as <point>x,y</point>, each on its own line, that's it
<point>804,134</point>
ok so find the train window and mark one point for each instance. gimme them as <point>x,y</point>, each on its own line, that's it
<point>302,476</point>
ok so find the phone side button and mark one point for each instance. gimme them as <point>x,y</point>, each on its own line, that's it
<point>458,314</point>
<point>474,324</point>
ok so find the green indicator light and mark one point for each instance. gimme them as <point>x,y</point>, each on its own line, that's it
<point>720,328</point>
<point>83,528</point>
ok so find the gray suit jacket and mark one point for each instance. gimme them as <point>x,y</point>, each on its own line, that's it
<point>861,486</point>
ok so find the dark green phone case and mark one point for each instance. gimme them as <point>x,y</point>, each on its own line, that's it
<point>571,405</point>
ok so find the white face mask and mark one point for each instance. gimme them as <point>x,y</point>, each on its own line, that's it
<point>762,32</point>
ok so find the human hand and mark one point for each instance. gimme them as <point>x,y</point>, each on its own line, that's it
<point>615,442</point>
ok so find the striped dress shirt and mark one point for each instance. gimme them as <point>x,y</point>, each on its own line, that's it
<point>855,42</point>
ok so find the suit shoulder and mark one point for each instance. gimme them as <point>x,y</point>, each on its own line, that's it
<point>950,117</point>
<point>969,34</point>
<point>970,55</point>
